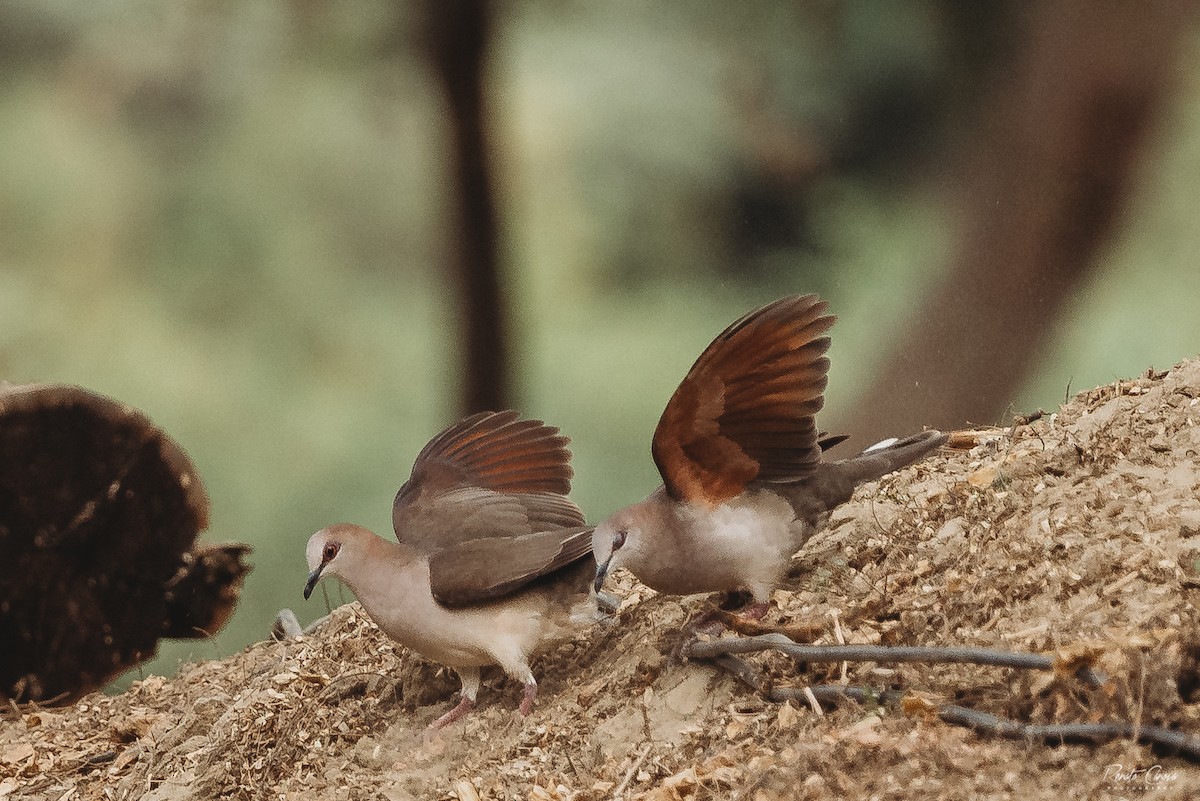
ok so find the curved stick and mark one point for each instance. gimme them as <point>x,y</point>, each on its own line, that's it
<point>721,653</point>
<point>881,653</point>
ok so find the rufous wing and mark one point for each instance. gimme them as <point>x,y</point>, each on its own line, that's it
<point>489,475</point>
<point>745,411</point>
<point>496,451</point>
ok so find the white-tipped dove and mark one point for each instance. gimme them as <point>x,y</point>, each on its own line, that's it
<point>744,484</point>
<point>492,559</point>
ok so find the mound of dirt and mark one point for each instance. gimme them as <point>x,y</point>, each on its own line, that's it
<point>1076,533</point>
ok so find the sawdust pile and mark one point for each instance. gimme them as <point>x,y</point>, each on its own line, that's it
<point>1077,532</point>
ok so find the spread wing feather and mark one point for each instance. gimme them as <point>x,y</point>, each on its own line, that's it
<point>497,451</point>
<point>745,411</point>
<point>487,504</point>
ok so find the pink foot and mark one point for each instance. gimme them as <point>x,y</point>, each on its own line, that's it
<point>460,711</point>
<point>715,621</point>
<point>527,699</point>
<point>756,611</point>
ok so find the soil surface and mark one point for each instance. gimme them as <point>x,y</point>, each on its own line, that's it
<point>1076,534</point>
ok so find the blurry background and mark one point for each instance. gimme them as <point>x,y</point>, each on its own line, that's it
<point>285,229</point>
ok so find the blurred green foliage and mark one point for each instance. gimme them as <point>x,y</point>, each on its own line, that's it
<point>230,215</point>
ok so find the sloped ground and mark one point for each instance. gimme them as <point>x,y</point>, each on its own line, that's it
<point>1078,531</point>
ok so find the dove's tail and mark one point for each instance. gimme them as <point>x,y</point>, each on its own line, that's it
<point>889,455</point>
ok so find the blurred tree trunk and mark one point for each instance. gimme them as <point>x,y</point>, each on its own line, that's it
<point>458,33</point>
<point>1040,189</point>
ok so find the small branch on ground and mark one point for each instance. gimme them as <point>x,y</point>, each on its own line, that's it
<point>711,649</point>
<point>721,653</point>
<point>1167,740</point>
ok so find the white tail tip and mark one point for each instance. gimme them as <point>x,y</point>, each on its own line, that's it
<point>883,443</point>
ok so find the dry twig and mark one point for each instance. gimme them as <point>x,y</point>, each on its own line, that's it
<point>1175,742</point>
<point>711,649</point>
<point>721,653</point>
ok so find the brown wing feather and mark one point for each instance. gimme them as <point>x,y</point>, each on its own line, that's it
<point>496,451</point>
<point>745,411</point>
<point>489,475</point>
<point>484,569</point>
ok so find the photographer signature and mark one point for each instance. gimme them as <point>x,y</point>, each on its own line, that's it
<point>1119,775</point>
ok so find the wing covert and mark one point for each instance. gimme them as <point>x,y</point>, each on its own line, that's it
<point>480,570</point>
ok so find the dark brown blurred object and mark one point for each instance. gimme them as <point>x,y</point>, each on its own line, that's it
<point>457,34</point>
<point>1039,191</point>
<point>99,513</point>
<point>204,590</point>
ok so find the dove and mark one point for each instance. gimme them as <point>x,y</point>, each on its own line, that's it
<point>744,481</point>
<point>491,561</point>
